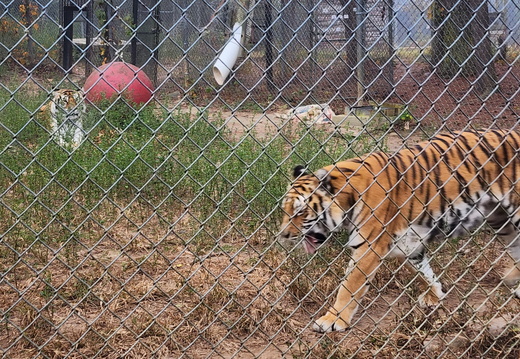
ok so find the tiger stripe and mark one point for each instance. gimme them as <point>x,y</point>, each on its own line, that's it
<point>392,205</point>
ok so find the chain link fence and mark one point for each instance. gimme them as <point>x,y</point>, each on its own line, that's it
<point>148,228</point>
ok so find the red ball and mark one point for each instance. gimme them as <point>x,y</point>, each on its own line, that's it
<point>114,78</point>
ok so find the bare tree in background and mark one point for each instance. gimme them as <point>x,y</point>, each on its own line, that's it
<point>461,44</point>
<point>349,19</point>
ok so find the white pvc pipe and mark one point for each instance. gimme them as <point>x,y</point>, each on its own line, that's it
<point>229,56</point>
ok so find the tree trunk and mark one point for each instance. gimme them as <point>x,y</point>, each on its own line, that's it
<point>461,44</point>
<point>104,17</point>
<point>349,19</point>
<point>147,37</point>
<point>287,35</point>
<point>28,11</point>
<point>483,59</point>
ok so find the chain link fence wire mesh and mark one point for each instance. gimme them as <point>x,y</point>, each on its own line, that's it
<point>143,230</point>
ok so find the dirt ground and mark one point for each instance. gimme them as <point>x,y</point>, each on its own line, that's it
<point>140,298</point>
<point>134,291</point>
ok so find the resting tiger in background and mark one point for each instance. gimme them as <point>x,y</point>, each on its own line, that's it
<point>65,111</point>
<point>392,205</point>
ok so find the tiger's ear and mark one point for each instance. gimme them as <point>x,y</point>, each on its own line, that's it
<point>322,175</point>
<point>298,171</point>
<point>325,181</point>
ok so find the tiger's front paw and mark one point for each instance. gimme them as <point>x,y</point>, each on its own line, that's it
<point>330,323</point>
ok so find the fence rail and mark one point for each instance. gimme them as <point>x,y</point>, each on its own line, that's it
<point>146,224</point>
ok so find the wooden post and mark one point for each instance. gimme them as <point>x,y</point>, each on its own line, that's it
<point>144,47</point>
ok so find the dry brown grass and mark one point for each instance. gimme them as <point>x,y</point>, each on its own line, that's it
<point>127,284</point>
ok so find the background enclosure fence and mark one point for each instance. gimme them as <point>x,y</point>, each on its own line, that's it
<point>152,233</point>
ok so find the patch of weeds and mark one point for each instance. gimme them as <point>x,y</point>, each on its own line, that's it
<point>414,325</point>
<point>48,290</point>
<point>123,115</point>
<point>506,345</point>
<point>37,328</point>
<point>80,289</point>
<point>326,347</point>
<point>251,106</point>
<point>135,153</point>
<point>211,302</point>
<point>315,277</point>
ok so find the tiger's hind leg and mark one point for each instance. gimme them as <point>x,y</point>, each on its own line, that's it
<point>512,275</point>
<point>510,235</point>
<point>419,263</point>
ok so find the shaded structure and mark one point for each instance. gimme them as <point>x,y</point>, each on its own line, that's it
<point>70,12</point>
<point>111,30</point>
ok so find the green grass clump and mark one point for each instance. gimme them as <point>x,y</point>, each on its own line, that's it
<point>202,181</point>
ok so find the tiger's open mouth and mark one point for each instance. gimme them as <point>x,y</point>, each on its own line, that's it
<point>311,244</point>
